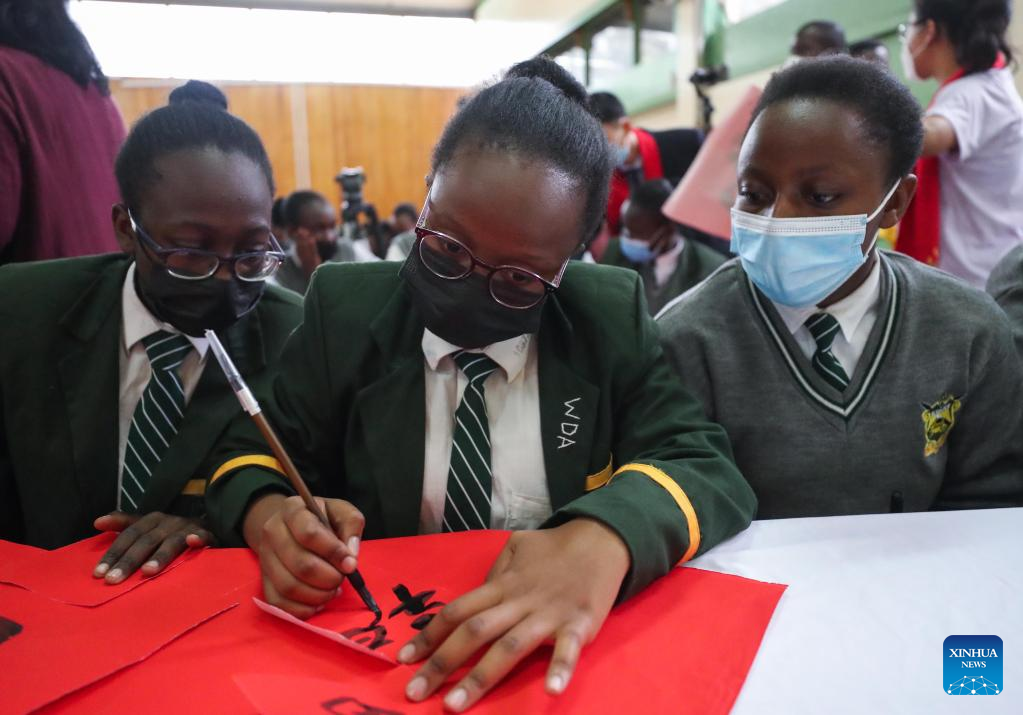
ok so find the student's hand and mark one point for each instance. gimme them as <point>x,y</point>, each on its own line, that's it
<point>303,562</point>
<point>151,541</point>
<point>555,584</point>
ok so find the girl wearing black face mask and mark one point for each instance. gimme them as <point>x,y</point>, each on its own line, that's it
<point>489,383</point>
<point>114,399</point>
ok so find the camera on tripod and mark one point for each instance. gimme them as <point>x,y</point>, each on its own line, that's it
<point>351,180</point>
<point>354,207</point>
<point>709,76</point>
<point>702,79</point>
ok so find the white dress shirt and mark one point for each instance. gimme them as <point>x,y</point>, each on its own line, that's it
<point>137,323</point>
<point>666,264</point>
<point>856,315</point>
<point>519,498</point>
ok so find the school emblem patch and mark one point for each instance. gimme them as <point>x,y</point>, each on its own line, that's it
<point>939,419</point>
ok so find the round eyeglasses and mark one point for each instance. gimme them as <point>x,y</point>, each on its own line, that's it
<point>511,286</point>
<point>193,264</point>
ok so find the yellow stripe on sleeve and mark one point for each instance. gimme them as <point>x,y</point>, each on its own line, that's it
<point>194,488</point>
<point>248,460</point>
<point>672,487</point>
<point>596,481</point>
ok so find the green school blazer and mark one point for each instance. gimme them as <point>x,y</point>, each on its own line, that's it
<point>622,441</point>
<point>60,331</point>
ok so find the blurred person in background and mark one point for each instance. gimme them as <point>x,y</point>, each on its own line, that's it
<point>871,51</point>
<point>59,133</point>
<point>815,39</point>
<point>404,223</point>
<point>653,245</point>
<point>639,155</point>
<point>968,210</point>
<point>311,224</point>
<point>277,224</point>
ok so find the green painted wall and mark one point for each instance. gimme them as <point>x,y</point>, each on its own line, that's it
<point>756,44</point>
<point>763,41</point>
<point>645,86</point>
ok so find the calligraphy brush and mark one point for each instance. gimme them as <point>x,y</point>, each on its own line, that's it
<point>251,406</point>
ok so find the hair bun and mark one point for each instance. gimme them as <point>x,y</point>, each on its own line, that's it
<point>543,67</point>
<point>200,92</point>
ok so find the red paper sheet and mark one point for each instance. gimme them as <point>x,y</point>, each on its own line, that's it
<point>683,645</point>
<point>61,648</point>
<point>65,574</point>
<point>653,653</point>
<point>704,197</point>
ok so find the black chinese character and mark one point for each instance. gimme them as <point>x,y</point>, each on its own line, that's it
<point>8,629</point>
<point>351,706</point>
<point>415,605</point>
<point>373,636</point>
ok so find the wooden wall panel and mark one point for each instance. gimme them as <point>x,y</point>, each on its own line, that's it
<point>389,131</point>
<point>267,109</point>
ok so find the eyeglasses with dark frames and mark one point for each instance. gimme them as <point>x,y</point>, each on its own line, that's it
<point>513,287</point>
<point>193,264</point>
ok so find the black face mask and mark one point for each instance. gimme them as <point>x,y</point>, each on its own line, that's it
<point>196,306</point>
<point>326,249</point>
<point>463,312</point>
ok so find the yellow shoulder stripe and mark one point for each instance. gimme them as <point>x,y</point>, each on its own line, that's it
<point>596,481</point>
<point>672,487</point>
<point>248,460</point>
<point>194,488</point>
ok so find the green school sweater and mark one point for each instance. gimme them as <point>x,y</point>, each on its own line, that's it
<point>931,420</point>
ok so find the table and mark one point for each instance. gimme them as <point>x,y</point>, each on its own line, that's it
<point>871,600</point>
<point>859,630</point>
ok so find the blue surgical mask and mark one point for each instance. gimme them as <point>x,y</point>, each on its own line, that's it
<point>636,250</point>
<point>799,262</point>
<point>621,155</point>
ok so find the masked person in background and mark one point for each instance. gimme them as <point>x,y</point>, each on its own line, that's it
<point>652,244</point>
<point>968,210</point>
<point>488,382</point>
<point>312,229</point>
<point>850,381</point>
<point>108,399</point>
<point>638,156</point>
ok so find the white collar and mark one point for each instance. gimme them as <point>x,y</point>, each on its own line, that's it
<point>138,323</point>
<point>672,253</point>
<point>849,312</point>
<point>509,354</point>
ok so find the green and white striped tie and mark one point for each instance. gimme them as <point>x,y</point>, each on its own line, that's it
<point>467,504</point>
<point>824,328</point>
<point>157,416</point>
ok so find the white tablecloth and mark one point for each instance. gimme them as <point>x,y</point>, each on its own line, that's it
<point>871,600</point>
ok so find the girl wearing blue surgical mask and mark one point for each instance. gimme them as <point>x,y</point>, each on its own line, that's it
<point>849,380</point>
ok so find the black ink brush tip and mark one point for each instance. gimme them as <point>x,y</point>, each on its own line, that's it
<point>355,578</point>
